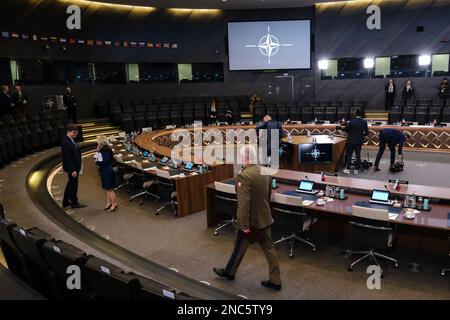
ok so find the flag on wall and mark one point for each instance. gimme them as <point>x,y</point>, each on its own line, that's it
<point>5,34</point>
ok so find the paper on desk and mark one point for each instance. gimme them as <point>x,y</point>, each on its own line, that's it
<point>307,202</point>
<point>175,176</point>
<point>393,216</point>
<point>129,161</point>
<point>150,168</point>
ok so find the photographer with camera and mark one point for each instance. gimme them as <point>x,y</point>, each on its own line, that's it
<point>392,138</point>
<point>356,131</point>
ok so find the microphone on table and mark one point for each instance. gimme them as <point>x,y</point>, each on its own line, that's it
<point>307,178</point>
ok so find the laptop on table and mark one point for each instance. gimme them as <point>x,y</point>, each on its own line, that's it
<point>189,167</point>
<point>306,186</point>
<point>381,197</point>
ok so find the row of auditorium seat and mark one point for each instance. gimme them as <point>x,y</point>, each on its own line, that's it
<point>422,112</point>
<point>42,262</point>
<point>21,135</point>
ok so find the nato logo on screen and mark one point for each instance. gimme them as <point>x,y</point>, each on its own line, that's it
<point>269,45</point>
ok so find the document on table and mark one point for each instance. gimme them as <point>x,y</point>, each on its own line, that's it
<point>393,216</point>
<point>150,168</point>
<point>307,202</point>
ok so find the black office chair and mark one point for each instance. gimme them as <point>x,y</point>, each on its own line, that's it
<point>446,270</point>
<point>29,243</point>
<point>14,258</point>
<point>225,203</point>
<point>127,174</point>
<point>291,218</point>
<point>371,228</point>
<point>153,290</point>
<point>106,281</point>
<point>59,255</point>
<point>395,114</point>
<point>166,191</point>
<point>140,175</point>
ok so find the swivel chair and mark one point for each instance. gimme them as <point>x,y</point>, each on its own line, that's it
<point>127,176</point>
<point>146,184</point>
<point>291,218</point>
<point>225,203</point>
<point>166,191</point>
<point>371,228</point>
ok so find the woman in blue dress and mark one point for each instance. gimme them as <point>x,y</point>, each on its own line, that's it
<point>104,159</point>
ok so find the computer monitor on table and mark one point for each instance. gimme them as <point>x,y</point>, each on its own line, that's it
<point>381,197</point>
<point>306,186</point>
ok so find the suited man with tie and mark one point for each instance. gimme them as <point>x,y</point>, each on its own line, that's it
<point>390,91</point>
<point>408,92</point>
<point>6,105</point>
<point>356,130</point>
<point>71,157</point>
<point>20,100</point>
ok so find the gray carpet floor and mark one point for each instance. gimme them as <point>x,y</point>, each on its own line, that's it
<point>188,246</point>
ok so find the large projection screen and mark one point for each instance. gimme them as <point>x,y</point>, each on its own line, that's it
<point>264,45</point>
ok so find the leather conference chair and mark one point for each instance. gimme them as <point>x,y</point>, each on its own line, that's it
<point>153,290</point>
<point>21,119</point>
<point>29,243</point>
<point>140,108</point>
<point>319,113</point>
<point>106,281</point>
<point>199,115</point>
<point>258,113</point>
<point>446,115</point>
<point>163,119</point>
<point>127,108</point>
<point>14,258</point>
<point>295,112</point>
<point>55,138</point>
<point>4,153</point>
<point>371,229</point>
<point>409,113</point>
<point>127,174</point>
<point>434,113</point>
<point>176,118</point>
<point>330,114</point>
<point>225,202</point>
<point>395,115</point>
<point>188,116</point>
<point>9,121</point>
<point>34,117</point>
<point>283,113</point>
<point>166,191</point>
<point>127,122</point>
<point>139,121</point>
<point>23,138</point>
<point>446,270</point>
<point>43,137</point>
<point>307,114</point>
<point>140,176</point>
<point>2,212</point>
<point>422,114</point>
<point>59,255</point>
<point>115,111</point>
<point>152,119</point>
<point>13,144</point>
<point>291,219</point>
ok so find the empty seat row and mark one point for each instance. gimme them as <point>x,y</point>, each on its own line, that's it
<point>59,270</point>
<point>421,114</point>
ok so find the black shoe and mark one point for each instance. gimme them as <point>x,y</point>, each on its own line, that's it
<point>376,169</point>
<point>65,205</point>
<point>221,273</point>
<point>78,205</point>
<point>271,285</point>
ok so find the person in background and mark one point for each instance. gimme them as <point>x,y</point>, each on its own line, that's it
<point>252,102</point>
<point>392,138</point>
<point>390,92</point>
<point>71,159</point>
<point>71,105</point>
<point>444,91</point>
<point>212,112</point>
<point>104,159</point>
<point>408,92</point>
<point>254,219</point>
<point>229,115</point>
<point>6,105</point>
<point>20,100</point>
<point>356,130</point>
<point>269,124</point>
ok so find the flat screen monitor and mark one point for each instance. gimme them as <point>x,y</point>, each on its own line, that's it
<point>380,195</point>
<point>164,160</point>
<point>146,153</point>
<point>306,185</point>
<point>188,166</point>
<point>265,45</point>
<point>315,153</point>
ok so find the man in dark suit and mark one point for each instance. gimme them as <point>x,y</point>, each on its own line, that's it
<point>71,157</point>
<point>269,124</point>
<point>20,100</point>
<point>6,105</point>
<point>254,219</point>
<point>392,138</point>
<point>71,104</point>
<point>356,130</point>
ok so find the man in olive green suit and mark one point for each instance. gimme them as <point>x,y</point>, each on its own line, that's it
<point>254,219</point>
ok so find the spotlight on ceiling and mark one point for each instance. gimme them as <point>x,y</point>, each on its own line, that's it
<point>323,64</point>
<point>369,63</point>
<point>424,60</point>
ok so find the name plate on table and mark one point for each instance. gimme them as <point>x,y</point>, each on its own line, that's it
<point>304,196</point>
<point>393,211</point>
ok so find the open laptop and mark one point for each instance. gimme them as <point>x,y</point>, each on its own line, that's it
<point>189,167</point>
<point>381,197</point>
<point>164,160</point>
<point>306,186</point>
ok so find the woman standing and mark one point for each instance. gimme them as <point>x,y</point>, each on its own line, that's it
<point>408,92</point>
<point>104,159</point>
<point>212,112</point>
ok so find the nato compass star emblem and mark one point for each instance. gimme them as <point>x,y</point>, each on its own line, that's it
<point>315,153</point>
<point>269,45</point>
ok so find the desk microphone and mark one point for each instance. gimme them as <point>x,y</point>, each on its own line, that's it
<point>307,178</point>
<point>385,186</point>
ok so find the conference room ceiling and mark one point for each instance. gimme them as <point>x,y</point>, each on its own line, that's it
<point>220,4</point>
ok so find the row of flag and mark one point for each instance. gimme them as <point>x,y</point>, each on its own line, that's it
<point>98,43</point>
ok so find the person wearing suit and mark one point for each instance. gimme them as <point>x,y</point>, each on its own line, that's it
<point>408,92</point>
<point>390,92</point>
<point>269,124</point>
<point>212,112</point>
<point>71,105</point>
<point>254,219</point>
<point>392,138</point>
<point>6,105</point>
<point>104,159</point>
<point>19,100</point>
<point>356,130</point>
<point>71,157</point>
<point>444,91</point>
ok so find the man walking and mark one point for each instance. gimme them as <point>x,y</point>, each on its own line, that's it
<point>356,130</point>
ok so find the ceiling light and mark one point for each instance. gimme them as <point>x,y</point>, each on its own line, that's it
<point>323,64</point>
<point>369,63</point>
<point>424,60</point>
